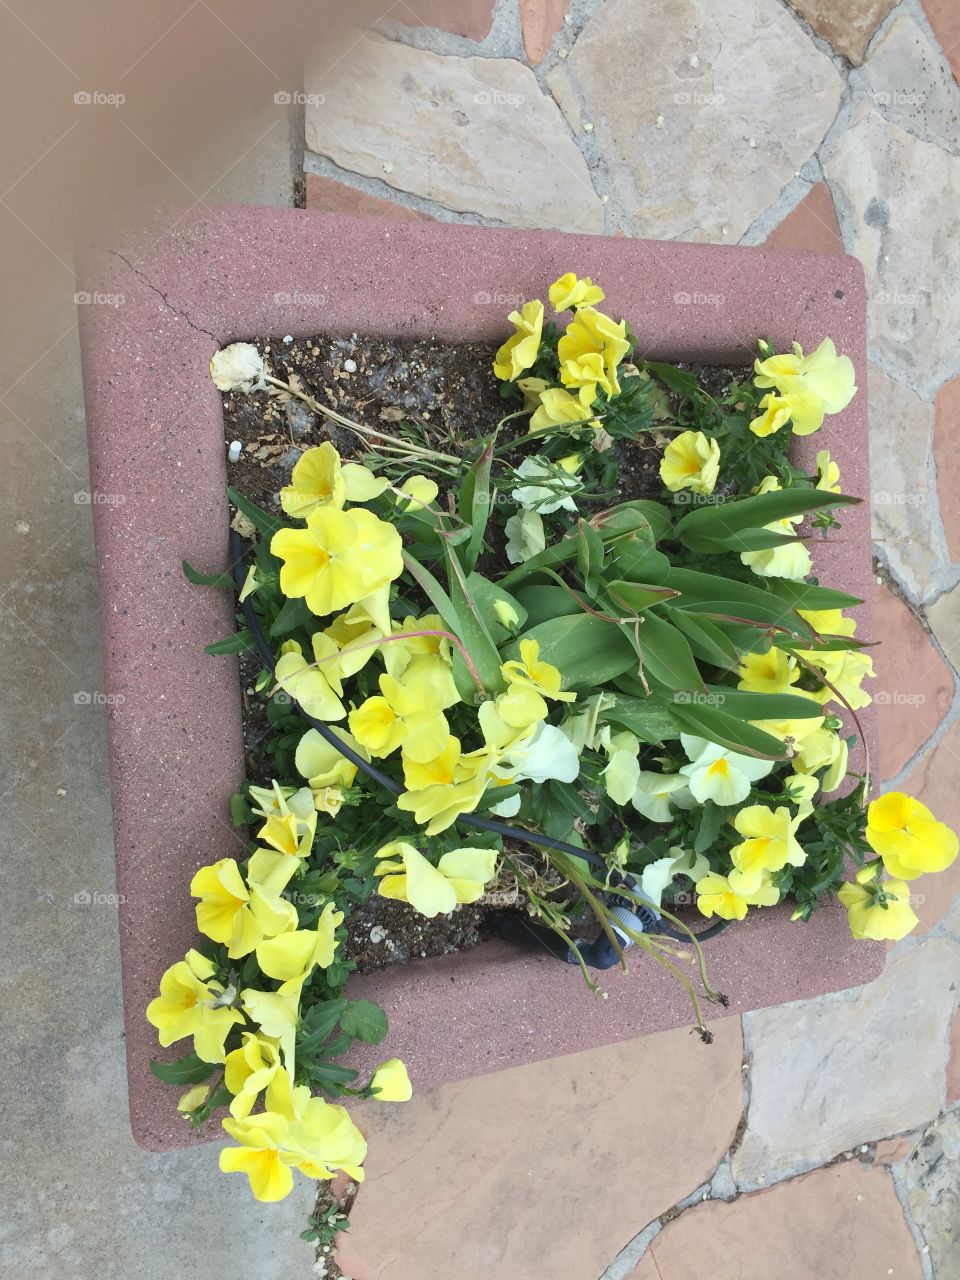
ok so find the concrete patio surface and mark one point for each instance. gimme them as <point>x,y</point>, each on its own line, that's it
<point>816,1139</point>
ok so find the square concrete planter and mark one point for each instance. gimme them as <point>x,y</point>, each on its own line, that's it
<point>158,473</point>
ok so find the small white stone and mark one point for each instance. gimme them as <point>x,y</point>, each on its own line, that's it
<point>865,1147</point>
<point>761,1178</point>
<point>350,366</point>
<point>660,122</point>
<point>604,199</point>
<point>233,453</point>
<point>587,127</point>
<point>377,933</point>
<point>61,792</point>
<point>724,231</point>
<point>288,338</point>
<point>860,1197</point>
<point>22,527</point>
<point>753,142</point>
<point>562,53</point>
<point>387,167</point>
<point>694,61</point>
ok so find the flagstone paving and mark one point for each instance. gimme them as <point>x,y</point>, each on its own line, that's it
<point>675,123</point>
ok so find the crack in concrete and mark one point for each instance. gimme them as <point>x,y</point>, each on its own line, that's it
<point>141,276</point>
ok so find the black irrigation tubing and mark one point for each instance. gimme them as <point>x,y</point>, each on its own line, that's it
<point>465,819</point>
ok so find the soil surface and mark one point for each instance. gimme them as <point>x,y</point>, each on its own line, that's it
<point>450,398</point>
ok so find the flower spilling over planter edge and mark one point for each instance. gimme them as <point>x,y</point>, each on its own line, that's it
<point>654,689</point>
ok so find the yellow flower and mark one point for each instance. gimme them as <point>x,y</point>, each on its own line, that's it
<point>591,334</point>
<point>715,896</point>
<point>416,493</point>
<point>264,1155</point>
<point>558,408</point>
<point>770,842</point>
<point>408,715</point>
<point>877,909</point>
<point>770,672</point>
<point>250,584</point>
<point>569,292</point>
<point>391,1082</point>
<point>792,560</point>
<point>459,876</point>
<point>828,622</point>
<point>817,384</point>
<point>319,480</point>
<point>531,388</point>
<point>316,687</point>
<point>511,715</point>
<point>188,1005</point>
<point>844,669</point>
<point>292,957</point>
<point>193,1099</point>
<point>277,1013</point>
<point>340,558</point>
<point>439,805</point>
<point>268,874</point>
<point>417,775</point>
<point>519,352</point>
<point>531,673</point>
<point>355,635</point>
<point>409,656</point>
<point>323,765</point>
<point>828,472</point>
<point>823,749</point>
<point>291,830</point>
<point>776,415</point>
<point>907,836</point>
<point>248,1070</point>
<point>227,911</point>
<point>690,461</point>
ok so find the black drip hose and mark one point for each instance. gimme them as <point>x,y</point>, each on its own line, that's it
<point>464,819</point>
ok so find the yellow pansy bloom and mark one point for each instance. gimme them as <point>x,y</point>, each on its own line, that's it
<point>438,806</point>
<point>770,842</point>
<point>188,1006</point>
<point>908,837</point>
<point>823,376</point>
<point>690,461</point>
<point>530,673</point>
<point>277,1014</point>
<point>317,688</point>
<point>520,350</point>
<point>416,493</point>
<point>318,480</point>
<point>531,389</point>
<point>558,408</point>
<point>715,896</point>
<point>323,765</point>
<point>292,956</point>
<point>844,669</point>
<point>877,909</point>
<point>321,1131</point>
<point>248,1070</point>
<point>771,672</point>
<point>391,1082</point>
<point>340,558</point>
<point>407,876</point>
<point>570,291</point>
<point>407,714</point>
<point>291,830</point>
<point>355,635</point>
<point>232,912</point>
<point>589,334</point>
<point>828,622</point>
<point>193,1099</point>
<point>828,472</point>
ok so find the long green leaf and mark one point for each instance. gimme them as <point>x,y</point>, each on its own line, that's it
<point>639,595</point>
<point>707,641</point>
<point>667,655</point>
<point>239,642</point>
<point>763,706</point>
<point>186,1070</point>
<point>267,524</point>
<point>649,719</point>
<point>488,666</point>
<point>223,580</point>
<point>474,504</point>
<point>587,651</point>
<point>726,730</point>
<point>738,514</point>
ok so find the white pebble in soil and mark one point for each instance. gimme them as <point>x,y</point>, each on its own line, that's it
<point>377,933</point>
<point>233,453</point>
<point>350,366</point>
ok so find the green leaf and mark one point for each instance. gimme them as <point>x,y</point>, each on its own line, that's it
<point>667,655</point>
<point>588,651</point>
<point>329,1075</point>
<point>482,650</point>
<point>223,580</point>
<point>240,811</point>
<point>590,552</point>
<point>651,721</point>
<point>726,730</point>
<point>186,1070</point>
<point>487,594</point>
<point>637,561</point>
<point>292,615</point>
<point>545,602</point>
<point>684,384</point>
<point>263,520</point>
<point>365,1020</point>
<point>707,641</point>
<point>642,515</point>
<point>698,528</point>
<point>805,595</point>
<point>472,630</point>
<point>711,820</point>
<point>763,706</point>
<point>239,642</point>
<point>474,503</point>
<point>639,595</point>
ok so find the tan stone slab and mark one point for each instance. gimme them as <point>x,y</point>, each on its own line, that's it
<point>946,453</point>
<point>892,1150</point>
<point>932,1180</point>
<point>841,1223</point>
<point>914,686</point>
<point>944,18</point>
<point>934,782</point>
<point>540,20</point>
<point>476,135</point>
<point>812,225</point>
<point>545,1170</point>
<point>828,1075</point>
<point>470,18</point>
<point>901,495</point>
<point>326,195</point>
<point>846,25</point>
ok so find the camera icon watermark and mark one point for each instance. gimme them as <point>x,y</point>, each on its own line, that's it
<point>94,498</point>
<point>297,98</point>
<point>296,298</point>
<point>97,898</point>
<point>900,98</point>
<point>685,98</point>
<point>497,98</point>
<point>482,298</point>
<point>898,698</point>
<point>683,299</point>
<point>97,98</point>
<point>94,698</point>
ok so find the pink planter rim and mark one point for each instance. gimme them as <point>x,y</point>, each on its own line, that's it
<point>190,282</point>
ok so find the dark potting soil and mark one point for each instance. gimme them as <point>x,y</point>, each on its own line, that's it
<point>449,395</point>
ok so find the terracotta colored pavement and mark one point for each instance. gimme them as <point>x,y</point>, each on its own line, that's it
<point>623,1162</point>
